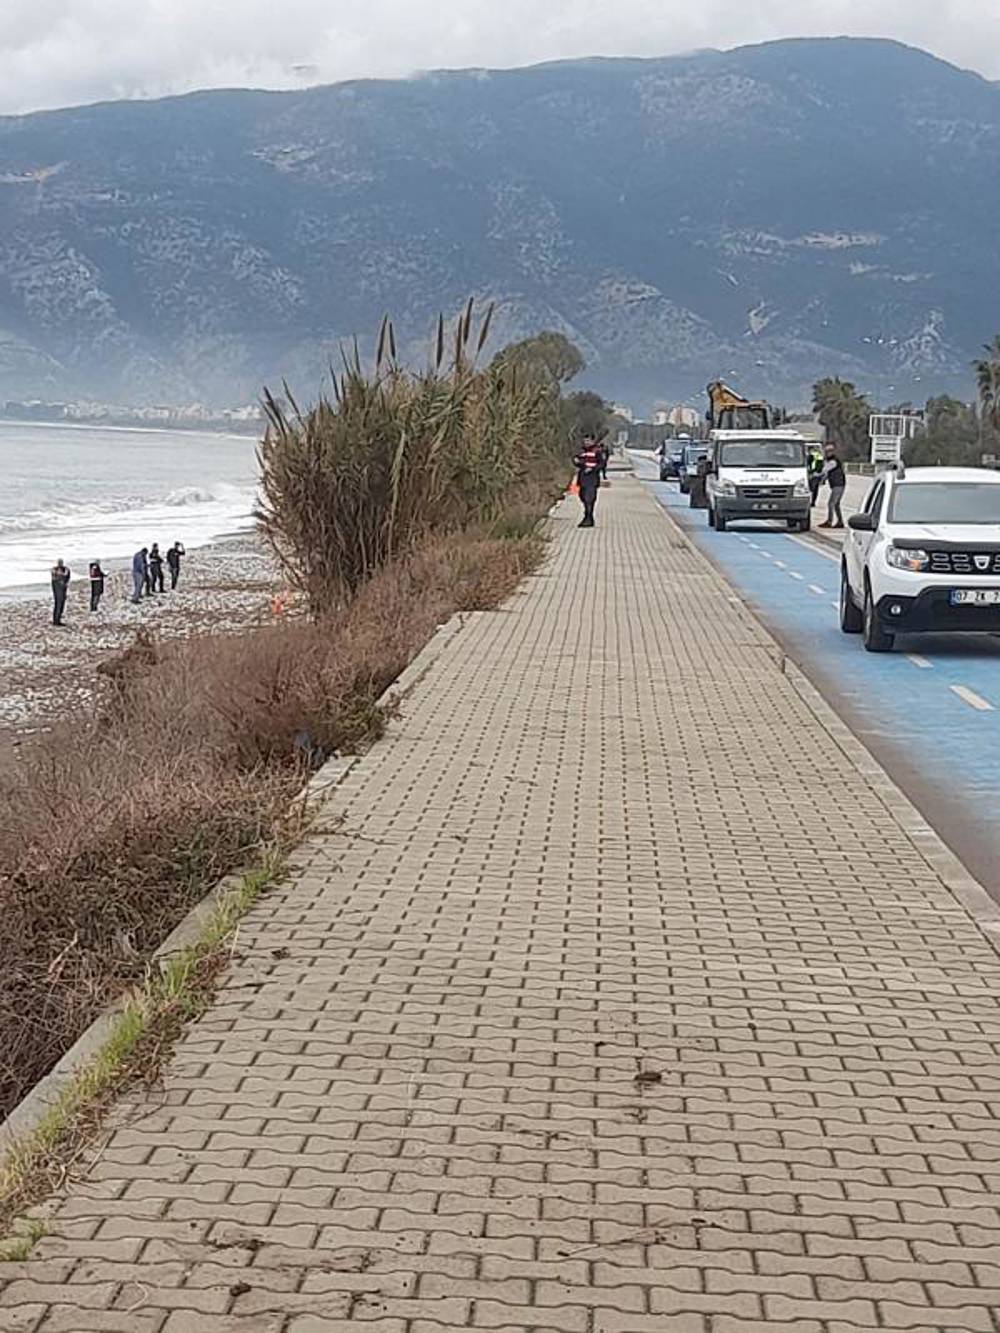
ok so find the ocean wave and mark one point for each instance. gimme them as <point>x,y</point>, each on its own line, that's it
<point>202,495</point>
<point>66,516</point>
<point>195,515</point>
<point>75,514</point>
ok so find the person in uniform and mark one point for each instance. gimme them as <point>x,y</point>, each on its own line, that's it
<point>588,478</point>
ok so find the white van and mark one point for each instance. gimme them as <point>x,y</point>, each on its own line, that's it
<point>758,474</point>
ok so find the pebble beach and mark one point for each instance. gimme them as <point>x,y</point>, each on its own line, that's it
<point>226,587</point>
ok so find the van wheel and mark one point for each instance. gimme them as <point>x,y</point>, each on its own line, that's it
<point>851,619</point>
<point>720,522</point>
<point>876,640</point>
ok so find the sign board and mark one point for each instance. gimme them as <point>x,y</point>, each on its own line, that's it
<point>989,460</point>
<point>886,450</point>
<point>890,427</point>
<point>887,434</point>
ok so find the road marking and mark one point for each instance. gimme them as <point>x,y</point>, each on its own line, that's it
<point>835,605</point>
<point>801,577</point>
<point>754,546</point>
<point>765,555</point>
<point>818,591</point>
<point>780,564</point>
<point>969,697</point>
<point>920,662</point>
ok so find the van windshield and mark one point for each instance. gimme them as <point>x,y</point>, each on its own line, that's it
<point>762,453</point>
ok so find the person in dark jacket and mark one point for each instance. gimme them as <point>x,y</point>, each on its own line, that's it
<point>605,451</point>
<point>698,498</point>
<point>61,575</point>
<point>96,584</point>
<point>155,569</point>
<point>588,479</point>
<point>836,478</point>
<point>174,563</point>
<point>140,574</point>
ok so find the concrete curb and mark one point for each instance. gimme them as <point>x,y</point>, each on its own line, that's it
<point>963,886</point>
<point>833,537</point>
<point>46,1094</point>
<point>434,648</point>
<point>32,1109</point>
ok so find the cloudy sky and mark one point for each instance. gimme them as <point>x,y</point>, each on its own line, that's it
<point>61,52</point>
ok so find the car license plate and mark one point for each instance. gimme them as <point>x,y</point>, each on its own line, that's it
<point>975,597</point>
<point>763,504</point>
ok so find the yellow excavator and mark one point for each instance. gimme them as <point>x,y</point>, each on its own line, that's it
<point>729,410</point>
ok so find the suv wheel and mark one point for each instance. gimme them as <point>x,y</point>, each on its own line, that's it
<point>876,639</point>
<point>851,619</point>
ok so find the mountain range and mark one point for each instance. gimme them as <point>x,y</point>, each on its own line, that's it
<point>771,214</point>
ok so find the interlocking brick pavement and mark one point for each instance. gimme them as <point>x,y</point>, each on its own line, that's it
<point>607,996</point>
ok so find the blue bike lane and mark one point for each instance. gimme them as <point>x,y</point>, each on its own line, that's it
<point>930,711</point>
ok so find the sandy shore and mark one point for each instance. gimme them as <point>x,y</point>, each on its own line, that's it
<point>225,587</point>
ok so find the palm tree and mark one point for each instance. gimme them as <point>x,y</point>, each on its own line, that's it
<point>844,412</point>
<point>988,381</point>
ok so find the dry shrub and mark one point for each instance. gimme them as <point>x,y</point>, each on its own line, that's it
<point>359,480</point>
<point>114,823</point>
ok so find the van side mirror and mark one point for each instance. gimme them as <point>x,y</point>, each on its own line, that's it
<point>862,522</point>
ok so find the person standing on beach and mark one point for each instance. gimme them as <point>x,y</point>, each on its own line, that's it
<point>60,586</point>
<point>155,569</point>
<point>96,584</point>
<point>174,562</point>
<point>140,574</point>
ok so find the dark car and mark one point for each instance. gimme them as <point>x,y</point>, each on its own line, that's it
<point>671,454</point>
<point>690,458</point>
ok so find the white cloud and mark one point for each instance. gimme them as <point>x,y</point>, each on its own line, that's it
<point>61,52</point>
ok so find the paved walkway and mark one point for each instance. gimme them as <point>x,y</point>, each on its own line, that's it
<point>618,1002</point>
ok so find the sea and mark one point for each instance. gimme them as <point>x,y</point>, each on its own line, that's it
<point>96,492</point>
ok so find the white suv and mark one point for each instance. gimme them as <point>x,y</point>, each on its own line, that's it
<point>923,556</point>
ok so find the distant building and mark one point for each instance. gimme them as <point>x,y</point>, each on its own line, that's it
<point>683,418</point>
<point>34,410</point>
<point>620,410</point>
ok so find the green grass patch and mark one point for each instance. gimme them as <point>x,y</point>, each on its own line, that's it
<point>142,1038</point>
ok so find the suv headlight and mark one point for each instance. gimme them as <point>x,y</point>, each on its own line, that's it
<point>801,490</point>
<point>726,487</point>
<point>914,561</point>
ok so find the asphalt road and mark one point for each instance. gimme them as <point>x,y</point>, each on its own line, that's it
<point>930,711</point>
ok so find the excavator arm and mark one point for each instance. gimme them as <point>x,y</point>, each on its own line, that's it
<point>729,410</point>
